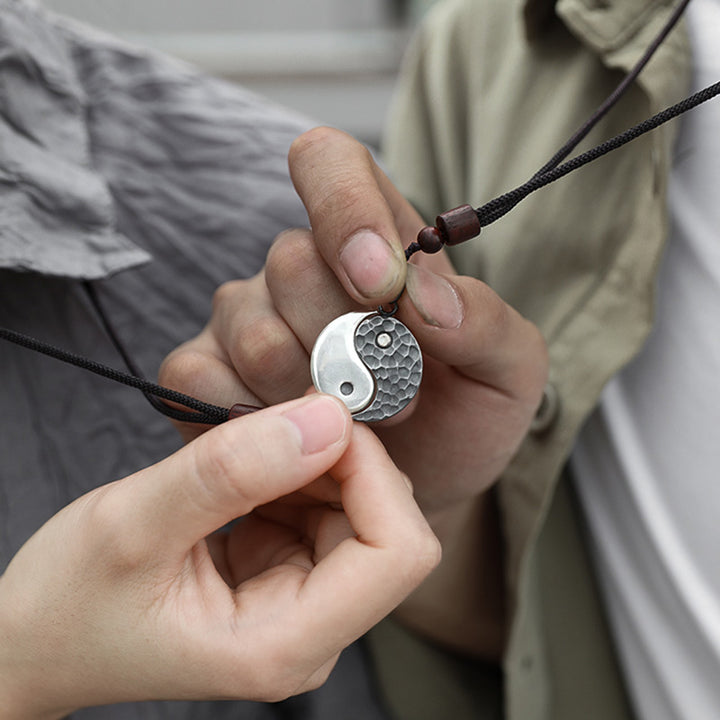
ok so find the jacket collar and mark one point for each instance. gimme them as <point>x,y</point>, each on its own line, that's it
<point>538,14</point>
<point>619,31</point>
<point>603,24</point>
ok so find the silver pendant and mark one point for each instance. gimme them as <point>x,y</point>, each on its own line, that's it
<point>370,361</point>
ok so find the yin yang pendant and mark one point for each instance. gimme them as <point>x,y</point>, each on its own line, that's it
<point>369,360</point>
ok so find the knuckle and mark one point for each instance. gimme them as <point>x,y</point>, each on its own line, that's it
<point>340,199</point>
<point>276,691</point>
<point>282,687</point>
<point>227,294</point>
<point>348,174</point>
<point>428,554</point>
<point>293,254</point>
<point>532,368</point>
<point>538,357</point>
<point>310,141</point>
<point>496,314</point>
<point>182,369</point>
<point>420,554</point>
<point>318,679</point>
<point>300,673</point>
<point>287,677</point>
<point>260,347</point>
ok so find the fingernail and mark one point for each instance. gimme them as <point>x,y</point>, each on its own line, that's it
<point>320,422</point>
<point>370,264</point>
<point>435,298</point>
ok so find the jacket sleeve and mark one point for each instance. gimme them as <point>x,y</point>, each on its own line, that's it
<point>56,211</point>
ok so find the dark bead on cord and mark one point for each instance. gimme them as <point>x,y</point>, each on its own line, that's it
<point>429,240</point>
<point>458,225</point>
<point>239,409</point>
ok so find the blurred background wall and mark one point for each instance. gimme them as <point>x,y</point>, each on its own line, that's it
<point>334,60</point>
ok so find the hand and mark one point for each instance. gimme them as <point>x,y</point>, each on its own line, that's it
<point>485,365</point>
<point>119,597</point>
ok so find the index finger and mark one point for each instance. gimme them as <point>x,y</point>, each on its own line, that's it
<point>353,214</point>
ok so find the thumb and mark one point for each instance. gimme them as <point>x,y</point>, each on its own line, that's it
<point>228,471</point>
<point>462,322</point>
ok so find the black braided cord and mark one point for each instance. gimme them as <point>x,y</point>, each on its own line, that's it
<point>156,402</point>
<point>503,204</point>
<point>616,94</point>
<point>204,412</point>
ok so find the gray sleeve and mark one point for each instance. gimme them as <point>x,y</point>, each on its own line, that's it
<point>56,213</point>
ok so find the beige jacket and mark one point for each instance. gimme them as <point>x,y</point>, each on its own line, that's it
<point>490,90</point>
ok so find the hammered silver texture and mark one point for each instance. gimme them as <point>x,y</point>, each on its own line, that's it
<point>397,367</point>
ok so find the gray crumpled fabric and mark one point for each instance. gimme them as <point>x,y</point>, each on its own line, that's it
<point>130,171</point>
<point>57,214</point>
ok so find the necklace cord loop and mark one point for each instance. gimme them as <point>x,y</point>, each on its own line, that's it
<point>203,412</point>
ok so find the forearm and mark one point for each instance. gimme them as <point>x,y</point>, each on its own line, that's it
<point>462,603</point>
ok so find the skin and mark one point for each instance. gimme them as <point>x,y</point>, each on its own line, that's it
<point>121,597</point>
<point>485,366</point>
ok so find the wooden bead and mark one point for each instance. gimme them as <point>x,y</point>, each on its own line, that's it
<point>458,225</point>
<point>238,410</point>
<point>429,240</point>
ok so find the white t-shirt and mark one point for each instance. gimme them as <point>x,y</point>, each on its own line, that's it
<point>647,465</point>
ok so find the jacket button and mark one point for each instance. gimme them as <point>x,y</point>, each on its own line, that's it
<point>547,410</point>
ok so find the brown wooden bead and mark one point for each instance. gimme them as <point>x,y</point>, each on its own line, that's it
<point>238,410</point>
<point>429,240</point>
<point>458,225</point>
